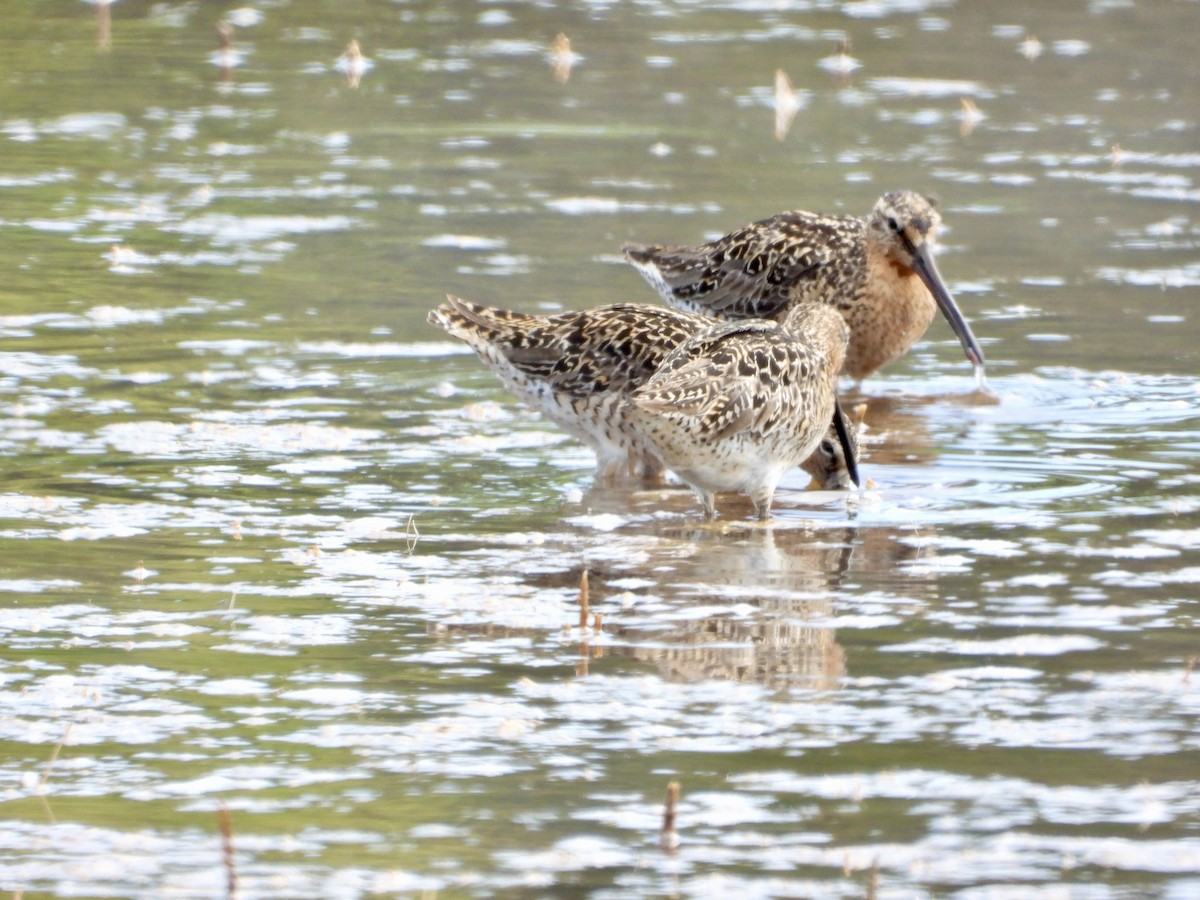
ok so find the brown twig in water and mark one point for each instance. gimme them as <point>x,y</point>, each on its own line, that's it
<point>873,881</point>
<point>103,26</point>
<point>46,772</point>
<point>597,621</point>
<point>54,757</point>
<point>1187,669</point>
<point>225,51</point>
<point>668,838</point>
<point>225,825</point>
<point>583,599</point>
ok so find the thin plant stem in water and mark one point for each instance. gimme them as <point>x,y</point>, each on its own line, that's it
<point>225,826</point>
<point>47,770</point>
<point>873,880</point>
<point>583,599</point>
<point>54,757</point>
<point>668,837</point>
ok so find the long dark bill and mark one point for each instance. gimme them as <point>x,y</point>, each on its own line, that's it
<point>849,445</point>
<point>925,267</point>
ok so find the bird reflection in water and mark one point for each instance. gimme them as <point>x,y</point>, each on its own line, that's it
<point>773,592</point>
<point>777,590</point>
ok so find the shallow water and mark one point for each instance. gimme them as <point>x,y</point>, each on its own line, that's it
<point>269,541</point>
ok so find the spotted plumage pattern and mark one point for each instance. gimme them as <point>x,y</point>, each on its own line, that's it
<point>580,370</point>
<point>877,271</point>
<point>737,405</point>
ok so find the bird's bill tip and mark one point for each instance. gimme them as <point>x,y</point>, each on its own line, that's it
<point>928,272</point>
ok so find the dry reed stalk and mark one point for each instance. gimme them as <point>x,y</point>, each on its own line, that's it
<point>583,599</point>
<point>668,837</point>
<point>54,757</point>
<point>225,826</point>
<point>46,773</point>
<point>873,881</point>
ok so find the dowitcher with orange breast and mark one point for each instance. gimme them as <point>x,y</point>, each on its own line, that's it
<point>580,369</point>
<point>878,271</point>
<point>737,405</point>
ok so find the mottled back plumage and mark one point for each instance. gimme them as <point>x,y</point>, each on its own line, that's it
<point>739,404</point>
<point>578,368</point>
<point>749,273</point>
<point>877,271</point>
<point>581,369</point>
<point>581,352</point>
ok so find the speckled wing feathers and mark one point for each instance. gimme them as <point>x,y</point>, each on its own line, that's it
<point>614,347</point>
<point>597,373</point>
<point>745,376</point>
<point>749,273</point>
<point>735,406</point>
<point>689,392</point>
<point>578,368</point>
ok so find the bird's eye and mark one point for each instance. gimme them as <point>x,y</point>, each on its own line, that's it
<point>893,224</point>
<point>827,448</point>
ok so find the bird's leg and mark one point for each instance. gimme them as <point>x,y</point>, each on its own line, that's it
<point>762,503</point>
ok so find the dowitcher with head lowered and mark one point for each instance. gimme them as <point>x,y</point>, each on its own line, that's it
<point>737,405</point>
<point>580,369</point>
<point>878,271</point>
